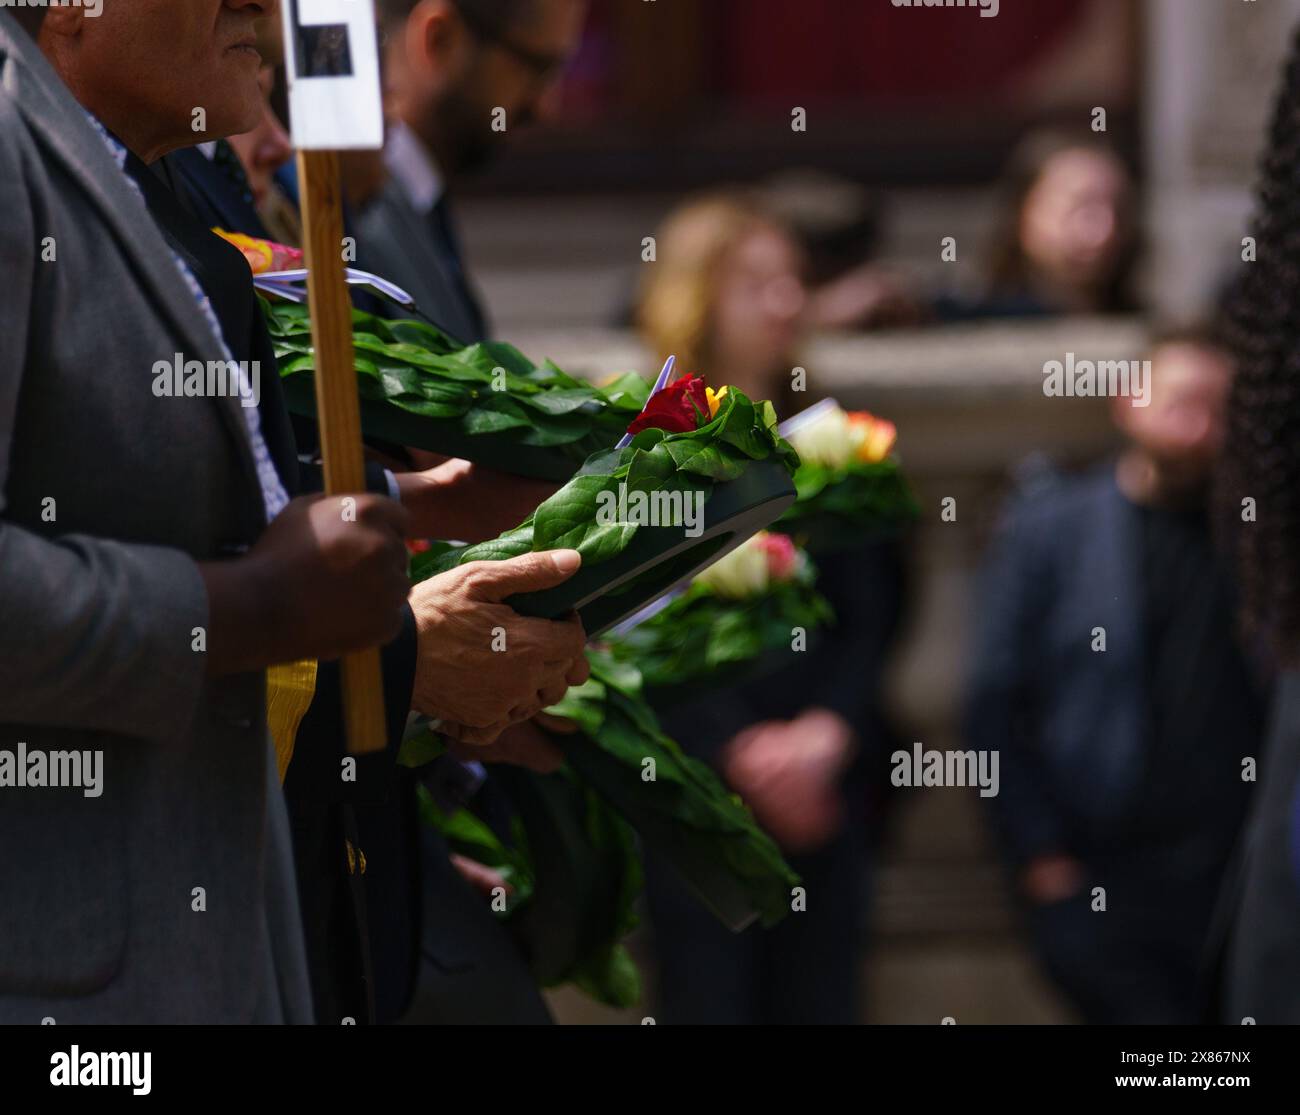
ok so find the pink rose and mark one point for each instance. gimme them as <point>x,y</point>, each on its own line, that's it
<point>782,557</point>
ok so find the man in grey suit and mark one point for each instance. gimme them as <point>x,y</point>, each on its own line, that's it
<point>167,897</point>
<point>142,591</point>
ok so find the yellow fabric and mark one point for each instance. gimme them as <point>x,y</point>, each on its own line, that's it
<point>355,853</point>
<point>289,692</point>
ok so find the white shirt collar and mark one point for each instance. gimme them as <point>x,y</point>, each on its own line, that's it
<point>413,168</point>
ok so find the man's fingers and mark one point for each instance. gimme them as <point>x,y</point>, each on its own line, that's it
<point>551,695</point>
<point>541,757</point>
<point>478,737</point>
<point>526,746</point>
<point>557,724</point>
<point>557,642</point>
<point>401,560</point>
<point>380,511</point>
<point>526,573</point>
<point>523,712</point>
<point>522,745</point>
<point>579,672</point>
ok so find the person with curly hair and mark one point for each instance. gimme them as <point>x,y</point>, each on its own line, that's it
<point>1259,499</point>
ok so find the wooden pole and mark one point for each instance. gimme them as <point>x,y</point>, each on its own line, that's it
<point>338,412</point>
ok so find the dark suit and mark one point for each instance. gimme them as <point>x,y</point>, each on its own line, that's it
<point>421,253</point>
<point>1124,755</point>
<point>471,969</point>
<point>216,190</point>
<point>374,814</point>
<point>417,913</point>
<point>804,971</point>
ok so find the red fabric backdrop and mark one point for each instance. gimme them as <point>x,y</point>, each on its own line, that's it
<point>845,49</point>
<point>759,51</point>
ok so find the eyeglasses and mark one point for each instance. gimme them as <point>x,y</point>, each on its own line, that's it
<point>544,66</point>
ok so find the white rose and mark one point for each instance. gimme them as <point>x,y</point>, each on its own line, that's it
<point>739,575</point>
<point>829,440</point>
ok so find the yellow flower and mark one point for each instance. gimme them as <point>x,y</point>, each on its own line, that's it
<point>715,399</point>
<point>837,439</point>
<point>875,437</point>
<point>257,252</point>
<point>263,255</point>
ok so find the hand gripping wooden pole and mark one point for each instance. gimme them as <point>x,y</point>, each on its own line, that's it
<point>337,409</point>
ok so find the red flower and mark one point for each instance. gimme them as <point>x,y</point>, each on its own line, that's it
<point>678,408</point>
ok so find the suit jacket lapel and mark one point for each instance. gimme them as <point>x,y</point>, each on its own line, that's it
<point>437,293</point>
<point>60,125</point>
<point>213,195</point>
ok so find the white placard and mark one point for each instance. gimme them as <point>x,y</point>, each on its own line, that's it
<point>332,61</point>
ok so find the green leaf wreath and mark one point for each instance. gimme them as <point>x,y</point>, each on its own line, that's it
<point>719,450</point>
<point>660,788</point>
<point>850,483</point>
<point>482,391</point>
<point>618,737</point>
<point>728,622</point>
<point>682,808</point>
<point>571,907</point>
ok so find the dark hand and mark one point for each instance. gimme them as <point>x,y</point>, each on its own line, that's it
<point>327,577</point>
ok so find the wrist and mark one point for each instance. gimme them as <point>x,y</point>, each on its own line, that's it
<point>270,620</point>
<point>241,616</point>
<point>425,612</point>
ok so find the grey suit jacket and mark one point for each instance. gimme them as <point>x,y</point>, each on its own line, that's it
<point>169,897</point>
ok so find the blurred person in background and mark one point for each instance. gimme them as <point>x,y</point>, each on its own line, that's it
<point>1260,504</point>
<point>261,153</point>
<point>839,221</point>
<point>727,296</point>
<point>461,76</point>
<point>1066,242</point>
<point>1108,675</point>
